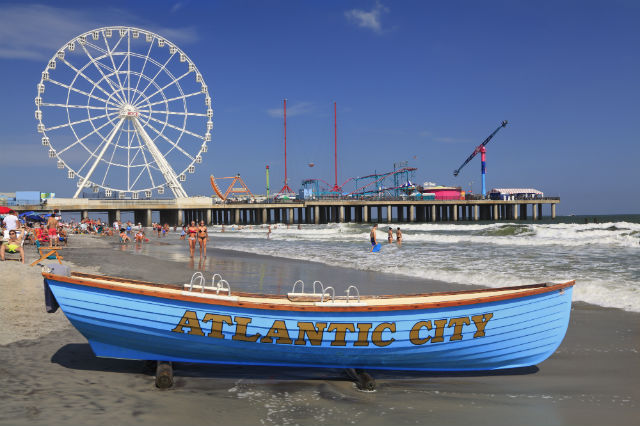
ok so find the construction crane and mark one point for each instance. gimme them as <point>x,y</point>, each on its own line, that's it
<point>481,149</point>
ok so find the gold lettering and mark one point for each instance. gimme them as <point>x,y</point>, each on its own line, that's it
<point>279,332</point>
<point>440,325</point>
<point>414,335</point>
<point>376,336</point>
<point>189,320</point>
<point>363,334</point>
<point>480,321</point>
<point>457,324</point>
<point>216,324</point>
<point>241,330</point>
<point>314,334</point>
<point>341,331</point>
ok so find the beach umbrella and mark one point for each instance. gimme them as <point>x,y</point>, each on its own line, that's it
<point>26,213</point>
<point>5,210</point>
<point>34,218</point>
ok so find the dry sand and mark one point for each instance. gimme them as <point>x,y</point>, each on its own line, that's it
<point>50,376</point>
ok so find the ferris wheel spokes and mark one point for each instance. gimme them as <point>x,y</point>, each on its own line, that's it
<point>80,73</point>
<point>95,163</point>
<point>116,93</point>
<point>160,90</point>
<point>164,123</point>
<point>82,92</point>
<point>172,143</point>
<point>148,165</point>
<point>165,169</point>
<point>173,99</point>
<point>77,122</point>
<point>79,141</point>
<point>110,52</point>
<point>162,68</point>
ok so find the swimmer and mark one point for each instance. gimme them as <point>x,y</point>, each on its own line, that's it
<point>372,235</point>
<point>390,235</point>
<point>399,236</point>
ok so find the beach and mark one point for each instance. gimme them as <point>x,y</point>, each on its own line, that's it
<point>52,377</point>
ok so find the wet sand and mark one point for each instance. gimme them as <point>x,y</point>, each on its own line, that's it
<point>50,375</point>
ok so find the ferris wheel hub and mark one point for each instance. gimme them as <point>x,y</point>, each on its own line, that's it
<point>128,111</point>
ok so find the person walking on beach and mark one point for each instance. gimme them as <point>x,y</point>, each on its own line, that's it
<point>399,236</point>
<point>372,236</point>
<point>192,230</point>
<point>390,235</point>
<point>52,229</point>
<point>203,236</point>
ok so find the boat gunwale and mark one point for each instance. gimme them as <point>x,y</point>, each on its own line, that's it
<point>534,289</point>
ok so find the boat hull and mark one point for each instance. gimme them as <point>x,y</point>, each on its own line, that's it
<point>511,333</point>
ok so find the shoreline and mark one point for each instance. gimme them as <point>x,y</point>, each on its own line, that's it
<point>51,373</point>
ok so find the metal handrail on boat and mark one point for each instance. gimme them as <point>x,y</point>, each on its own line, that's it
<point>349,292</point>
<point>215,286</point>
<point>199,277</point>
<point>293,290</point>
<point>325,291</point>
<point>221,286</point>
<point>321,287</point>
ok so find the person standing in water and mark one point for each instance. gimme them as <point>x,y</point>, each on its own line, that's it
<point>372,236</point>
<point>399,236</point>
<point>192,230</point>
<point>203,236</point>
<point>390,235</point>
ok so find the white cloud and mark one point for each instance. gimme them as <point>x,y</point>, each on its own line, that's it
<point>36,31</point>
<point>300,108</point>
<point>368,19</point>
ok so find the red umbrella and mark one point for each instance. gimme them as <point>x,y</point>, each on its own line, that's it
<point>4,210</point>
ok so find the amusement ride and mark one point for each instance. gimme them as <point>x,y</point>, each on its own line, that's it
<point>125,111</point>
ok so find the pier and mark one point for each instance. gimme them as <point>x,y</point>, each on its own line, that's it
<point>179,211</point>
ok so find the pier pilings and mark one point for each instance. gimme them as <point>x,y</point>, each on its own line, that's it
<point>181,211</point>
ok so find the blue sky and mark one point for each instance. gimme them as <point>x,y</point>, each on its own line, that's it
<point>420,81</point>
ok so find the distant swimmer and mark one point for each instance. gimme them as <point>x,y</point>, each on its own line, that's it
<point>269,232</point>
<point>372,236</point>
<point>390,235</point>
<point>399,236</point>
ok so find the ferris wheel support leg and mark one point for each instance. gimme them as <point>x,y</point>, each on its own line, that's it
<point>95,163</point>
<point>163,165</point>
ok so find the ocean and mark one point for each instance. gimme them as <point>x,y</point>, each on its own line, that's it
<point>602,253</point>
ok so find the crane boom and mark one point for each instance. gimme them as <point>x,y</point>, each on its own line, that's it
<point>479,147</point>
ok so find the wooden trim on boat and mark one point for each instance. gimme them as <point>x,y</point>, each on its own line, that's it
<point>282,303</point>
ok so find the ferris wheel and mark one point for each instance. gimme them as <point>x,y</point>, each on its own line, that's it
<point>124,111</point>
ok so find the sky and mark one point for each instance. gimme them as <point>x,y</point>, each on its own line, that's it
<point>417,81</point>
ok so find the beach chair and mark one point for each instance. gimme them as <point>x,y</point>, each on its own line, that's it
<point>46,252</point>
